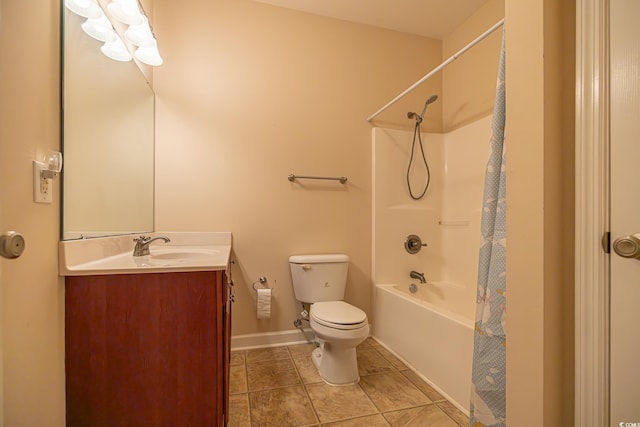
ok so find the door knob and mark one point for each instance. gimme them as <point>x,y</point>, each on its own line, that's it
<point>11,244</point>
<point>628,246</point>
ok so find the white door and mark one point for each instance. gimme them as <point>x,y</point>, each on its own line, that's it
<point>625,212</point>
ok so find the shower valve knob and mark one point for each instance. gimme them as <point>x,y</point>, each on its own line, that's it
<point>413,244</point>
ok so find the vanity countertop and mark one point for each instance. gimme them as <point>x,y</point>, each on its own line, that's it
<point>187,251</point>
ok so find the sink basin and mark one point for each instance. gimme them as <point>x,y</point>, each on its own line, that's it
<point>179,254</point>
<point>186,252</point>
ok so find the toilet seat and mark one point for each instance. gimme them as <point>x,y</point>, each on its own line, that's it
<point>338,315</point>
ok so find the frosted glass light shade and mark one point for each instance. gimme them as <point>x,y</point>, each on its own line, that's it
<point>148,55</point>
<point>140,35</point>
<point>100,29</point>
<point>84,8</point>
<point>116,50</point>
<point>126,11</point>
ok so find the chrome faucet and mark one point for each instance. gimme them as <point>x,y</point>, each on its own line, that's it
<point>419,276</point>
<point>143,242</point>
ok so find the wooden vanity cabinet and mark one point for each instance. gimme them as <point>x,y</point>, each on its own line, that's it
<point>147,349</point>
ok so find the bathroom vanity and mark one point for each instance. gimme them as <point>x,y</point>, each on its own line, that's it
<point>147,337</point>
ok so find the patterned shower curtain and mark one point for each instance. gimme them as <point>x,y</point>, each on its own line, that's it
<point>488,388</point>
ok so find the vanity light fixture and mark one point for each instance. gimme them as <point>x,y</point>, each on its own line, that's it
<point>129,12</point>
<point>139,32</point>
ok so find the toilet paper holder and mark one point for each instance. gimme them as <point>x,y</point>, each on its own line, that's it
<point>262,280</point>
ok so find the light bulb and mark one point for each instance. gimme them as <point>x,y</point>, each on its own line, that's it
<point>84,8</point>
<point>100,29</point>
<point>126,11</point>
<point>148,55</point>
<point>116,50</point>
<point>140,35</point>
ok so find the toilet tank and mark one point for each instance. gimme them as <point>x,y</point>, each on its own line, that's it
<point>319,278</point>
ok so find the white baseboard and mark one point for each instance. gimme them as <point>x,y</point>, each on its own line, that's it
<point>272,339</point>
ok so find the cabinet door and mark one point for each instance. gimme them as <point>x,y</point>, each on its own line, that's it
<point>144,349</point>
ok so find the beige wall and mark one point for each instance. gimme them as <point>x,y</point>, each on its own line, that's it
<point>32,294</point>
<point>539,211</point>
<point>250,93</point>
<point>469,82</point>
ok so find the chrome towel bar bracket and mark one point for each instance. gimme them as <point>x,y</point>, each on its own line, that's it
<point>342,179</point>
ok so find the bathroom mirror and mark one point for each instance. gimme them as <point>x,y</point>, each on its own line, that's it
<point>107,140</point>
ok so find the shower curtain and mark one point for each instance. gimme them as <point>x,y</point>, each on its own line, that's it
<point>488,388</point>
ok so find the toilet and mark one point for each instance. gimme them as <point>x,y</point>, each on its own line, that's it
<point>320,280</point>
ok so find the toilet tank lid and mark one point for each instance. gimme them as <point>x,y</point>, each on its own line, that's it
<point>318,258</point>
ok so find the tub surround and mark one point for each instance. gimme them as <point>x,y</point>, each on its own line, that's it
<point>187,251</point>
<point>448,220</point>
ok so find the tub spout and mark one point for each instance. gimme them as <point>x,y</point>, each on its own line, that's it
<point>420,276</point>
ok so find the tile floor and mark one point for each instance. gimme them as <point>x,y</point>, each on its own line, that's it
<point>280,386</point>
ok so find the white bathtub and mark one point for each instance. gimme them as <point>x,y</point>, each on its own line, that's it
<point>437,342</point>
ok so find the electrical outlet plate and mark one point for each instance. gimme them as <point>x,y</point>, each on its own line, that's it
<point>42,187</point>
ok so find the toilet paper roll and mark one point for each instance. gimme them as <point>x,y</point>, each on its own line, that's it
<point>264,303</point>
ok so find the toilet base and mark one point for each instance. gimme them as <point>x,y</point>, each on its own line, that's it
<point>336,365</point>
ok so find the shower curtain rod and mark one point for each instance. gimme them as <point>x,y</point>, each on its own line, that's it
<point>438,68</point>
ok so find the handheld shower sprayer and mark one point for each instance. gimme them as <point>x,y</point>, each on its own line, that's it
<point>416,135</point>
<point>412,115</point>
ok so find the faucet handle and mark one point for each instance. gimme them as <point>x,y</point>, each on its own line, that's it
<point>141,239</point>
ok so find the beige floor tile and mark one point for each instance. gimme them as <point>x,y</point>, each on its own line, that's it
<point>237,379</point>
<point>392,391</point>
<point>276,397</point>
<point>363,345</point>
<point>271,374</point>
<point>429,415</point>
<point>239,411</point>
<point>423,386</point>
<point>370,421</point>
<point>301,350</point>
<point>397,363</point>
<point>336,403</point>
<point>371,362</point>
<point>237,357</point>
<point>371,342</point>
<point>281,407</point>
<point>307,370</point>
<point>456,414</point>
<point>269,353</point>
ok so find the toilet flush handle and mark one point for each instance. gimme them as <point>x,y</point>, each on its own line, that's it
<point>306,267</point>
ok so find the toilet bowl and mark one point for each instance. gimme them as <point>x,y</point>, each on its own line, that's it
<point>339,327</point>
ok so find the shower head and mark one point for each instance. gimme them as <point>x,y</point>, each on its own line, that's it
<point>419,118</point>
<point>431,100</point>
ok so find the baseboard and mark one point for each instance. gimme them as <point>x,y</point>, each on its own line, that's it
<point>272,339</point>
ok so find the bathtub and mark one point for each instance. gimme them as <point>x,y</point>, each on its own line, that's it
<point>437,342</point>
